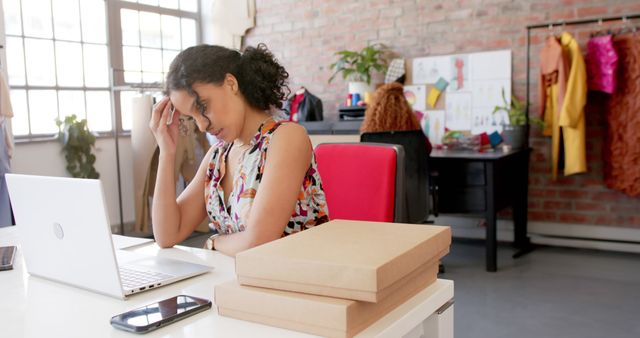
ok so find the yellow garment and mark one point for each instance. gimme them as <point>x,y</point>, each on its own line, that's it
<point>569,119</point>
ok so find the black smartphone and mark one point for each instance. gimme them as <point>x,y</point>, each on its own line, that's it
<point>7,254</point>
<point>162,313</point>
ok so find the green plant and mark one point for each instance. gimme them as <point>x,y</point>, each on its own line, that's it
<point>77,144</point>
<point>358,66</point>
<point>517,112</point>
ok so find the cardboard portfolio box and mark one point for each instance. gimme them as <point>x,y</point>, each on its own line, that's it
<point>344,259</point>
<point>319,315</point>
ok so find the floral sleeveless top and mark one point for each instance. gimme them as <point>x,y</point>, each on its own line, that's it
<point>311,206</point>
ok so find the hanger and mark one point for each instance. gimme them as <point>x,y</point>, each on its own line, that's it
<point>600,31</point>
<point>627,27</point>
<point>300,91</point>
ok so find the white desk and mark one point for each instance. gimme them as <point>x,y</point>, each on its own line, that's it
<point>35,307</point>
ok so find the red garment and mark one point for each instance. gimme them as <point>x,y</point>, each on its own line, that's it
<point>622,159</point>
<point>294,107</point>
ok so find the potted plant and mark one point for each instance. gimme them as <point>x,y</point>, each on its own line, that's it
<point>77,145</point>
<point>357,67</point>
<point>516,132</point>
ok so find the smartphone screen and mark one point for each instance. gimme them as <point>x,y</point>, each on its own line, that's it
<point>159,314</point>
<point>7,253</point>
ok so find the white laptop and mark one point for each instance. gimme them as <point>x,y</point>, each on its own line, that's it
<point>65,234</point>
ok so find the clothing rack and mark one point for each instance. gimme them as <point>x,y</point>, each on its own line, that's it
<point>550,25</point>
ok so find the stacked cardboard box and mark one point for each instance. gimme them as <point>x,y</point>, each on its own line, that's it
<point>335,279</point>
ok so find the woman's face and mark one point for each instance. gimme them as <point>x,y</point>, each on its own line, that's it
<point>222,104</point>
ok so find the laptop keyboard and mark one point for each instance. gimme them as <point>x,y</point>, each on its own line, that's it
<point>133,278</point>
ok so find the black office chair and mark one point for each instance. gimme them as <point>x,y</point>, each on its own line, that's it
<point>417,176</point>
<point>420,182</point>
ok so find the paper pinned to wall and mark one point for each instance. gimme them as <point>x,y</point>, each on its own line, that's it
<point>460,72</point>
<point>430,69</point>
<point>458,111</point>
<point>490,65</point>
<point>416,95</point>
<point>433,123</point>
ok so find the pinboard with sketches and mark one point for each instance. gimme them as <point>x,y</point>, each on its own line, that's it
<point>459,92</point>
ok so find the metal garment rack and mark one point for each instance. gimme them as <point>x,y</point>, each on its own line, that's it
<point>550,25</point>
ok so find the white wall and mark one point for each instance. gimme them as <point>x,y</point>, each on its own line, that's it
<point>46,158</point>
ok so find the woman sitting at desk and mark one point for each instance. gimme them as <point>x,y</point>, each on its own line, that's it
<point>390,111</point>
<point>260,181</point>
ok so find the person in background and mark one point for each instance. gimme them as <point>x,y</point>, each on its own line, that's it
<point>260,181</point>
<point>390,111</point>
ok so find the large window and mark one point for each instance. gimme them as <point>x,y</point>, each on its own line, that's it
<point>64,57</point>
<point>153,32</point>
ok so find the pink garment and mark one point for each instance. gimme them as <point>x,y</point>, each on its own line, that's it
<point>602,62</point>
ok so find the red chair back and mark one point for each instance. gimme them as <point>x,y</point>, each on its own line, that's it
<point>362,181</point>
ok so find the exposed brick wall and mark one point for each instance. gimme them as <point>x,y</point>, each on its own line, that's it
<point>305,34</point>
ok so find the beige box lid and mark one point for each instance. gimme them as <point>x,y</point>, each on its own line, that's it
<point>325,316</point>
<point>348,259</point>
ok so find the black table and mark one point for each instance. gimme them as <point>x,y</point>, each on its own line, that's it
<point>485,183</point>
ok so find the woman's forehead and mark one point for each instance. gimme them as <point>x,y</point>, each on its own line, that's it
<point>181,99</point>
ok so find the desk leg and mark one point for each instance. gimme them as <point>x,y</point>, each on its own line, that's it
<point>520,208</point>
<point>491,245</point>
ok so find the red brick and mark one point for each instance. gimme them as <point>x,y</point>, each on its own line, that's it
<point>572,194</point>
<point>592,11</point>
<point>569,217</point>
<point>542,216</point>
<point>590,206</point>
<point>556,205</point>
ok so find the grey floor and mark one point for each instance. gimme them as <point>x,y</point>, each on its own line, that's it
<point>551,292</point>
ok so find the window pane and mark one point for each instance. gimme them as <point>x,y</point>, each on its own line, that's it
<point>189,5</point>
<point>132,77</point>
<point>131,58</point>
<point>169,4</point>
<point>43,106</point>
<point>15,61</point>
<point>96,66</point>
<point>40,65</point>
<point>170,32</point>
<point>69,63</point>
<point>167,57</point>
<point>149,2</point>
<point>93,21</point>
<point>12,21</point>
<point>37,18</point>
<point>151,60</point>
<point>151,77</point>
<point>188,33</point>
<point>98,110</point>
<point>20,120</point>
<point>66,20</point>
<point>71,102</point>
<point>125,108</point>
<point>130,28</point>
<point>150,29</point>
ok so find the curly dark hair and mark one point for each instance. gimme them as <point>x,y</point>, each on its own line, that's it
<point>261,79</point>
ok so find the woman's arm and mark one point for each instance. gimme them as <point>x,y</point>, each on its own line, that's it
<point>288,159</point>
<point>174,220</point>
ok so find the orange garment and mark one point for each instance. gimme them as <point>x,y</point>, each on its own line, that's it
<point>622,148</point>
